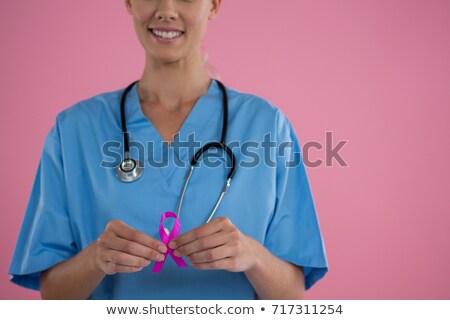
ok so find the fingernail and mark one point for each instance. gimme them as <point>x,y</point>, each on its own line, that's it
<point>172,245</point>
<point>160,257</point>
<point>176,253</point>
<point>162,248</point>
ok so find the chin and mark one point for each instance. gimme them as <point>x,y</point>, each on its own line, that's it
<point>165,58</point>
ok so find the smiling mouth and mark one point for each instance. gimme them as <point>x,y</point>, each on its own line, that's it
<point>168,35</point>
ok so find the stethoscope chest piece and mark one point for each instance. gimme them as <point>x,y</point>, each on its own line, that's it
<point>129,170</point>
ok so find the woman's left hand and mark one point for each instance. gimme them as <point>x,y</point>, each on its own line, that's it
<point>217,245</point>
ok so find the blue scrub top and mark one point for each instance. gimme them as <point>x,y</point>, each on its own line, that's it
<point>74,196</point>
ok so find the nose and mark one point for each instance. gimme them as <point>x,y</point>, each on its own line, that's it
<point>166,10</point>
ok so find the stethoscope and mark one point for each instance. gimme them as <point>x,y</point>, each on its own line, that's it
<point>131,170</point>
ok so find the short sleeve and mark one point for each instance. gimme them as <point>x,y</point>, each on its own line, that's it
<point>293,233</point>
<point>45,238</point>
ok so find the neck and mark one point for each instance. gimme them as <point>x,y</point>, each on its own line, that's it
<point>174,84</point>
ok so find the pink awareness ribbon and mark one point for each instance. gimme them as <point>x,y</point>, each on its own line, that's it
<point>166,239</point>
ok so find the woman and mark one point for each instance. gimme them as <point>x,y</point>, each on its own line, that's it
<point>86,234</point>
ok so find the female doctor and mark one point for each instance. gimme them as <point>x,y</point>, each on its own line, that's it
<point>88,234</point>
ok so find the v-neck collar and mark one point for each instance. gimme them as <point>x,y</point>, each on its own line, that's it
<point>141,128</point>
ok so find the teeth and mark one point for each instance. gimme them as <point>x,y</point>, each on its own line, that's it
<point>167,35</point>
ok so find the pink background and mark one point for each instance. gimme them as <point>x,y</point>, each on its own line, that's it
<point>374,72</point>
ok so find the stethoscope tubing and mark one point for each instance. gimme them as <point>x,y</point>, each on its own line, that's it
<point>136,171</point>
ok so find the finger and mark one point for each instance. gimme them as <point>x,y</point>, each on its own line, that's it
<point>113,268</point>
<point>126,232</point>
<point>125,259</point>
<point>211,255</point>
<point>202,244</point>
<point>125,269</point>
<point>223,264</point>
<point>134,248</point>
<point>200,232</point>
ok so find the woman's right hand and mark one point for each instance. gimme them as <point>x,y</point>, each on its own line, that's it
<point>122,249</point>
